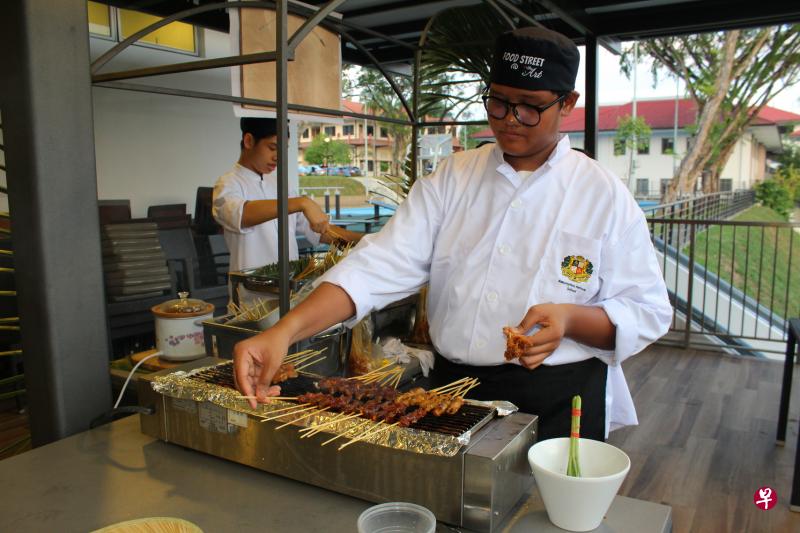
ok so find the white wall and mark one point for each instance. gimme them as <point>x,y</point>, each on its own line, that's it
<point>157,149</point>
<point>654,166</point>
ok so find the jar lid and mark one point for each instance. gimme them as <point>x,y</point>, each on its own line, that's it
<point>183,307</point>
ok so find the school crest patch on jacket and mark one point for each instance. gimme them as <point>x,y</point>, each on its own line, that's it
<point>577,268</point>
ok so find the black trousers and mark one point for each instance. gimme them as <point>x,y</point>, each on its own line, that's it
<point>545,391</point>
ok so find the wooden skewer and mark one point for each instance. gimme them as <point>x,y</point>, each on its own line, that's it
<point>465,385</point>
<point>355,428</point>
<point>443,387</point>
<point>369,374</point>
<point>266,419</point>
<point>302,417</point>
<point>365,435</point>
<point>464,392</point>
<point>318,429</point>
<point>312,363</point>
<point>241,397</point>
<point>451,390</point>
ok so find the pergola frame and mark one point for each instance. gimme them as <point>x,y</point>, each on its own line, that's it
<point>285,47</point>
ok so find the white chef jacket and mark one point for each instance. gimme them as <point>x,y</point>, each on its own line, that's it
<point>491,243</point>
<point>254,246</point>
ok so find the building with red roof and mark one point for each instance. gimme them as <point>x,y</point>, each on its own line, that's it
<point>651,168</point>
<point>377,144</point>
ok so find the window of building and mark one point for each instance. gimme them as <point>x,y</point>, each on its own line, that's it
<point>330,131</point>
<point>305,133</point>
<point>667,145</point>
<point>725,185</point>
<point>315,131</point>
<point>370,130</point>
<point>643,147</point>
<point>619,147</point>
<point>370,165</point>
<point>100,20</point>
<point>642,187</point>
<point>176,36</point>
<point>347,129</point>
<point>384,132</point>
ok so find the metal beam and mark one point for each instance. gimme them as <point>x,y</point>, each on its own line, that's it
<point>567,12</point>
<point>592,107</point>
<point>137,87</point>
<point>282,116</point>
<point>311,23</point>
<point>389,78</point>
<point>46,103</point>
<point>520,13</point>
<point>188,66</point>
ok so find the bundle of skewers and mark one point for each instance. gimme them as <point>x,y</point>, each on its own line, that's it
<point>374,399</point>
<point>253,312</point>
<point>297,362</point>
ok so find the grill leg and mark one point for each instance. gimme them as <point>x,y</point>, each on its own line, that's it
<point>786,387</point>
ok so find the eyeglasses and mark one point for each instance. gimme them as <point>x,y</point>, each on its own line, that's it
<point>526,114</point>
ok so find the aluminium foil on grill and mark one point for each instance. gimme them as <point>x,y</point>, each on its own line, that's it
<point>185,386</point>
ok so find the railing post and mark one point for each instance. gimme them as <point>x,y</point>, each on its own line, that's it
<point>338,205</point>
<point>690,288</point>
<point>327,202</point>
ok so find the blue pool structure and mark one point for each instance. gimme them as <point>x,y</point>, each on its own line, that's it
<point>363,218</point>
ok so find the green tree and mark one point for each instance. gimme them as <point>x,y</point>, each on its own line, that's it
<point>731,75</point>
<point>775,195</point>
<point>632,133</point>
<point>790,156</point>
<point>326,151</point>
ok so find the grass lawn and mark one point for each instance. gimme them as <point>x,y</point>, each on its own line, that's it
<point>351,186</point>
<point>758,262</point>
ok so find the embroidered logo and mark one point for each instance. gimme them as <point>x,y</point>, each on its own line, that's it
<point>577,268</point>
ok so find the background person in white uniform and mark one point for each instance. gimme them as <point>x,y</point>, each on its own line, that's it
<point>525,232</point>
<point>245,204</point>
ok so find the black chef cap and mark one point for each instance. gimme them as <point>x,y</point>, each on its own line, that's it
<point>259,128</point>
<point>535,59</point>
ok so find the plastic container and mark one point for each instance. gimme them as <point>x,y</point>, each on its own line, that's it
<point>578,503</point>
<point>397,517</point>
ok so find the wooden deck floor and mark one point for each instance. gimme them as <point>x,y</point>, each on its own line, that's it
<point>706,439</point>
<point>705,442</point>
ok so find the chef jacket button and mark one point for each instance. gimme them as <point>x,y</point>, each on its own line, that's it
<point>504,249</point>
<point>492,296</point>
<point>516,204</point>
<point>480,343</point>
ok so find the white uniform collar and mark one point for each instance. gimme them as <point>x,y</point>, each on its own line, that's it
<point>247,173</point>
<point>562,148</point>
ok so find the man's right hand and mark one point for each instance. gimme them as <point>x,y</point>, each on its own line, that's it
<point>316,217</point>
<point>255,362</point>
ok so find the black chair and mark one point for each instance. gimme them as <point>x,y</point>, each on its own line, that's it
<point>112,211</point>
<point>137,277</point>
<point>204,222</point>
<point>179,248</point>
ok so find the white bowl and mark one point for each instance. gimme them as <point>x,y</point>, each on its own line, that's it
<point>578,503</point>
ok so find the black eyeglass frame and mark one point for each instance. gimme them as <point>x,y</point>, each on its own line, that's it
<point>513,107</point>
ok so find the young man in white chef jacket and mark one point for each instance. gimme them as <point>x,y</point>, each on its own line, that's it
<point>525,232</point>
<point>245,204</point>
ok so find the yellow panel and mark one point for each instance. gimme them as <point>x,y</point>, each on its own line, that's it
<point>177,35</point>
<point>99,19</point>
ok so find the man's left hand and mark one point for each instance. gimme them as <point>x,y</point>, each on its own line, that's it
<point>553,319</point>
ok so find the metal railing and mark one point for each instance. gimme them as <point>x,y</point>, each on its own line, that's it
<point>716,206</point>
<point>731,283</point>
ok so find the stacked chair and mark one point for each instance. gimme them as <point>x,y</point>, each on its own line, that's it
<point>148,261</point>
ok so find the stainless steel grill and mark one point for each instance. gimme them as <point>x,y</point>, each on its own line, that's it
<point>476,488</point>
<point>468,418</point>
